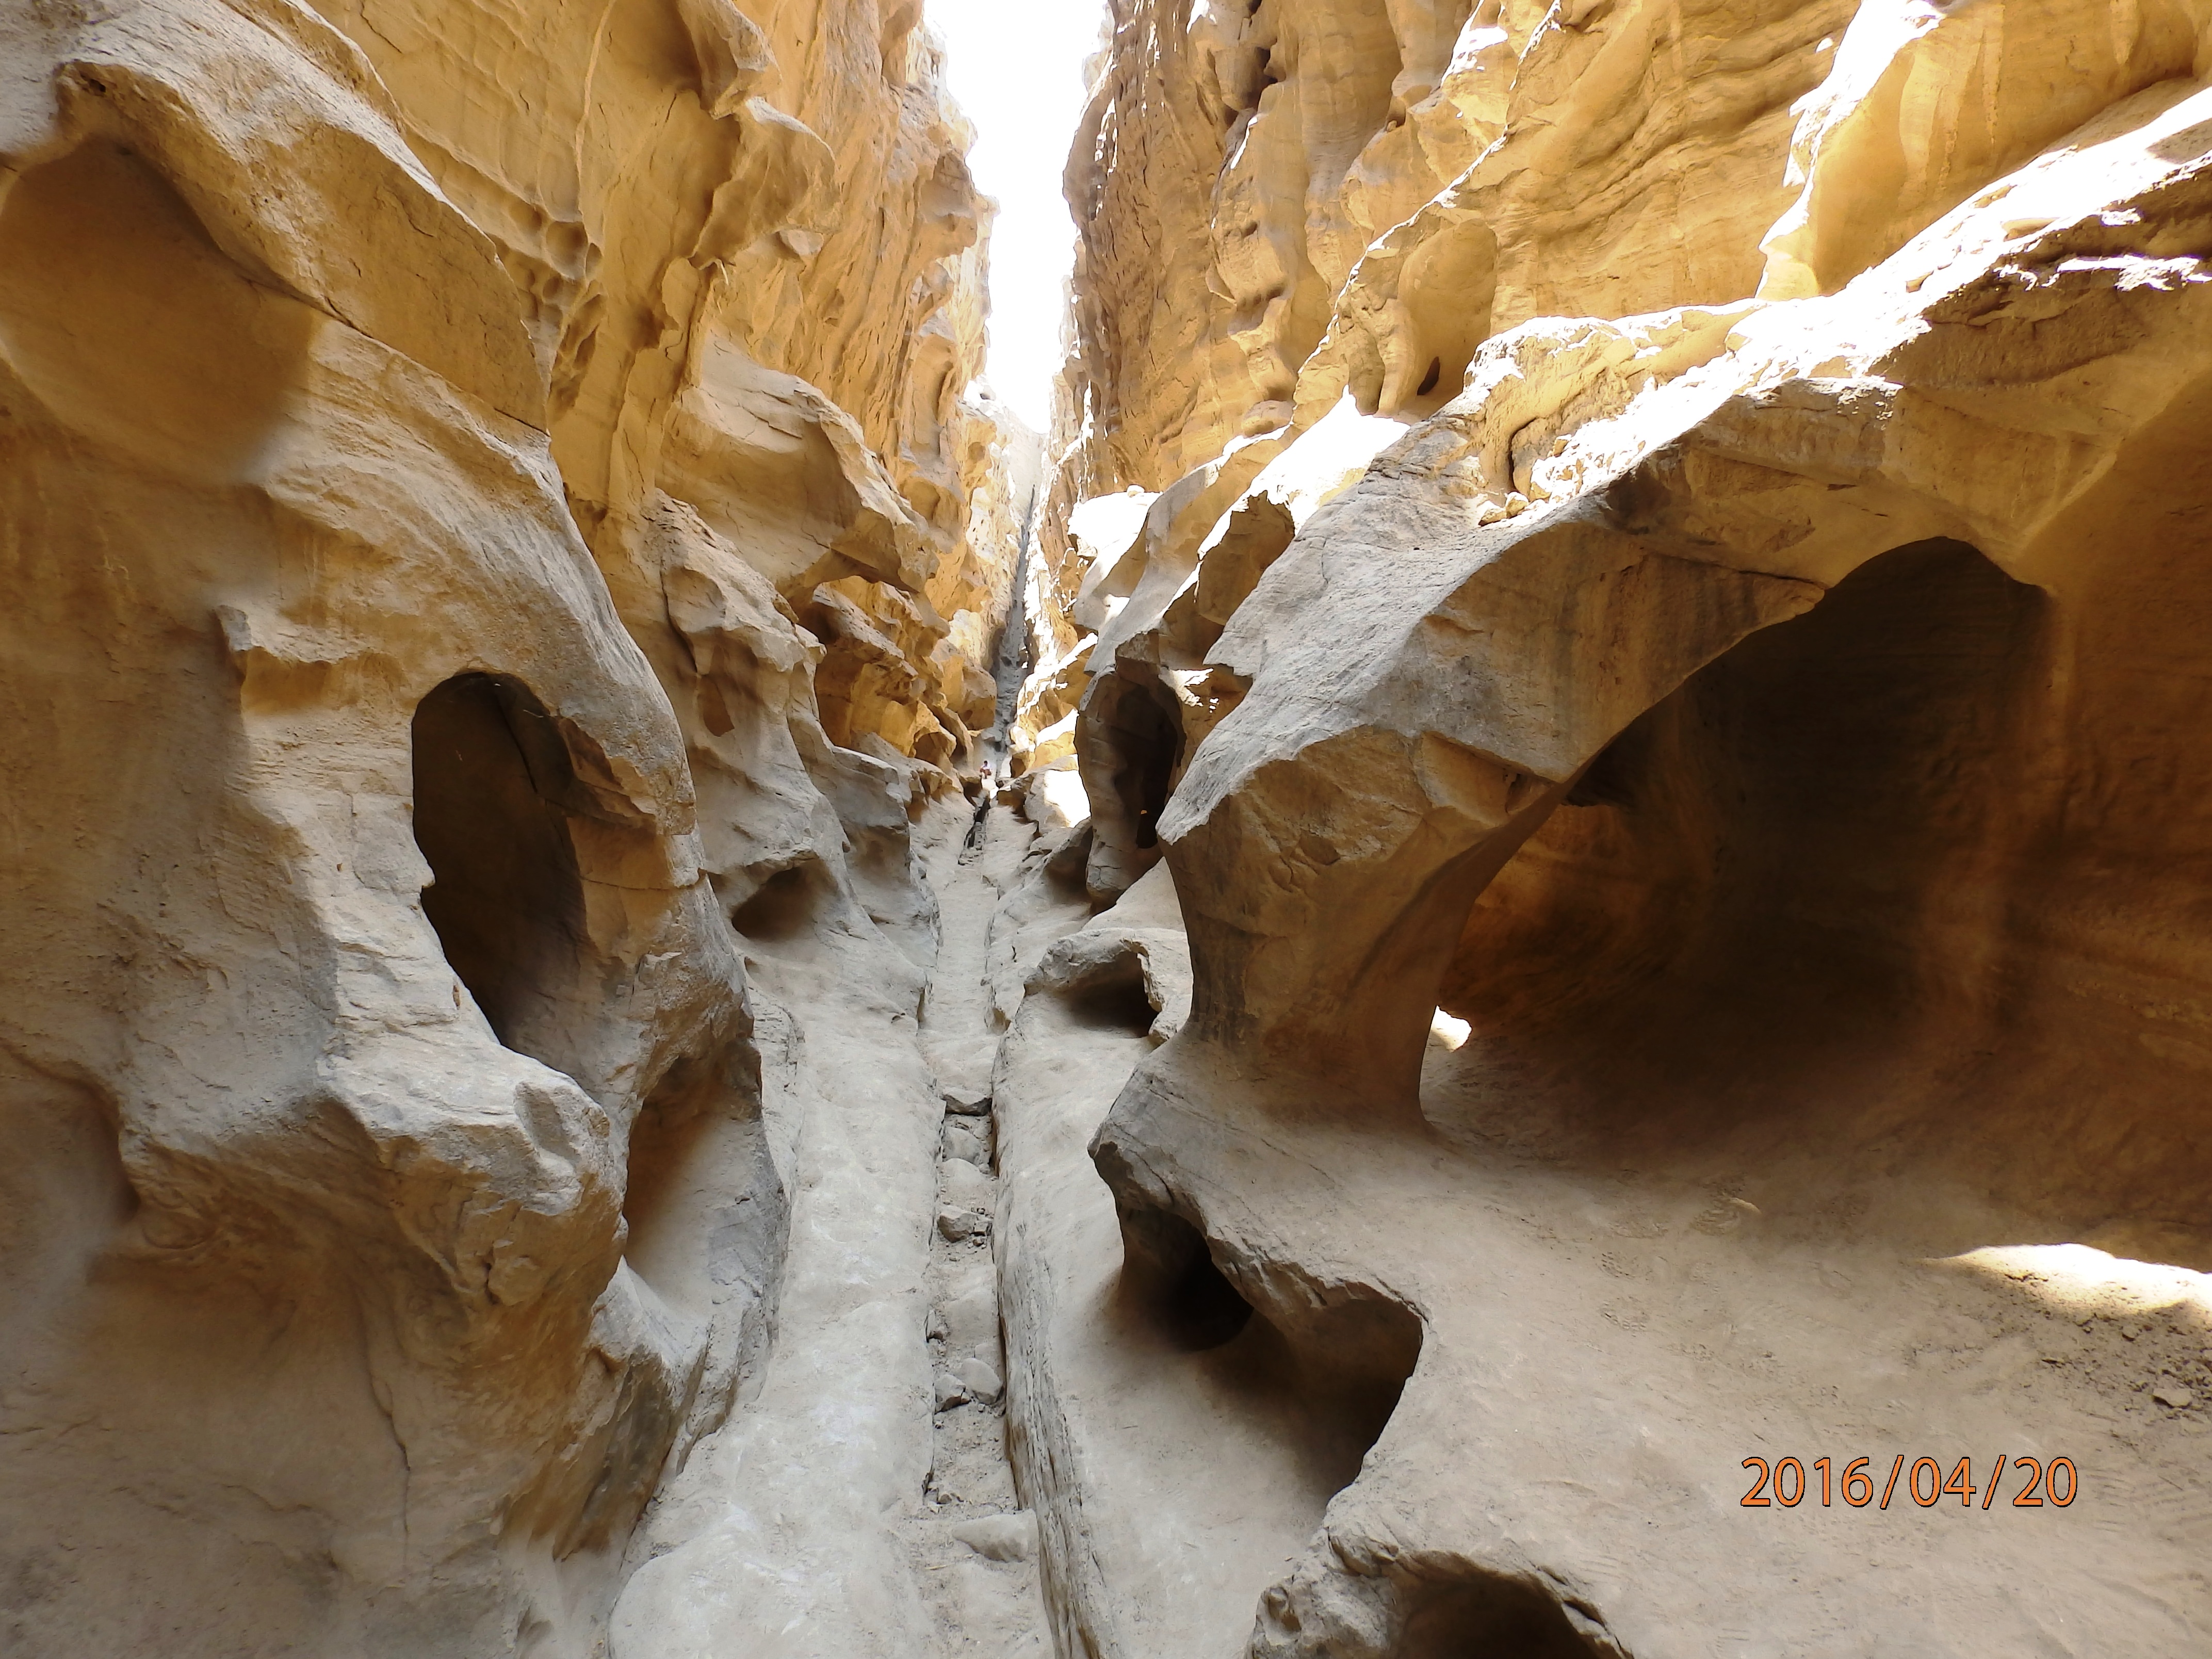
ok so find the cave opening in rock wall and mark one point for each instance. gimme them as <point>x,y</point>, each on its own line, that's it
<point>1129,746</point>
<point>506,896</point>
<point>784,905</point>
<point>1113,999</point>
<point>1326,1370</point>
<point>1146,742</point>
<point>1473,1614</point>
<point>1799,856</point>
<point>1169,1272</point>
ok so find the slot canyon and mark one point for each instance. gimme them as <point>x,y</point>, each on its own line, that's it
<point>1502,950</point>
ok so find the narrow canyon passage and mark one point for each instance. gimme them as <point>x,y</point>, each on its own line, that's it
<point>1135,829</point>
<point>864,1496</point>
<point>982,1422</point>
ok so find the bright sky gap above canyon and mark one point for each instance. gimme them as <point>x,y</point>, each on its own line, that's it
<point>1016,69</point>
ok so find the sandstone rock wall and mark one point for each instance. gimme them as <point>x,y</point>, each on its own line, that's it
<point>1604,877</point>
<point>485,494</point>
<point>1641,571</point>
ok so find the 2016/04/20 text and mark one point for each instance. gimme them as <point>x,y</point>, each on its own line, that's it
<point>1788,1482</point>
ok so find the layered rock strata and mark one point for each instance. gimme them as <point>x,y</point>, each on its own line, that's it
<point>1640,592</point>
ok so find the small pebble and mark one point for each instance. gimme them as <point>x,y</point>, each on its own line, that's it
<point>2179,1399</point>
<point>964,1186</point>
<point>958,1224</point>
<point>950,1392</point>
<point>1000,1537</point>
<point>979,1379</point>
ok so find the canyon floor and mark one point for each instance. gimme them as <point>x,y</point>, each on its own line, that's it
<point>1610,1328</point>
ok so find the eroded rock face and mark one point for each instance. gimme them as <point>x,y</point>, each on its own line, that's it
<point>442,452</point>
<point>1645,596</point>
<point>1604,878</point>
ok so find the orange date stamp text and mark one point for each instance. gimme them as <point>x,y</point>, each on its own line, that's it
<point>1789,1481</point>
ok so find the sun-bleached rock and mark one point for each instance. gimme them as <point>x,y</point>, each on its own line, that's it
<point>966,1139</point>
<point>1000,1537</point>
